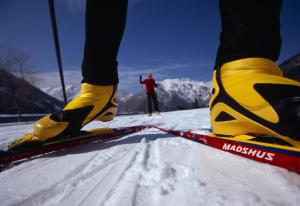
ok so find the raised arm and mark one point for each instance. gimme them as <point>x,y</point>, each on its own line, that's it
<point>141,81</point>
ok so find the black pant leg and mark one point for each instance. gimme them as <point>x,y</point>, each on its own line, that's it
<point>105,23</point>
<point>250,28</point>
<point>149,101</point>
<point>155,102</point>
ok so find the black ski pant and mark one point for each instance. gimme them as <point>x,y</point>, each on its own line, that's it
<point>152,98</point>
<point>104,28</point>
<point>250,28</point>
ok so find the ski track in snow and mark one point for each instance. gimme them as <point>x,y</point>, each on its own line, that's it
<point>144,169</point>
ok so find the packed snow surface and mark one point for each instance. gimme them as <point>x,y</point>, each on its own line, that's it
<point>145,169</point>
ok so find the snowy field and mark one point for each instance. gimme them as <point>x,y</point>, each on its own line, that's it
<point>145,169</point>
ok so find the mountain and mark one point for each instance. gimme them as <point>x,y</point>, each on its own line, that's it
<point>17,95</point>
<point>291,67</point>
<point>173,94</point>
<point>56,92</point>
<point>49,82</point>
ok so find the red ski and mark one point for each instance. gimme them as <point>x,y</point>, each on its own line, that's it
<point>39,148</point>
<point>285,158</point>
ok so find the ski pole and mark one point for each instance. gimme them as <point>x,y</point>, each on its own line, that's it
<point>145,99</point>
<point>57,48</point>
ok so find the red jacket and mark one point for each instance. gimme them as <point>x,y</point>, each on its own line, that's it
<point>150,85</point>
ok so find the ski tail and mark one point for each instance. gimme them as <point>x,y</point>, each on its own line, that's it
<point>276,155</point>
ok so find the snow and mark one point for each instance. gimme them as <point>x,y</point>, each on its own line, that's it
<point>126,97</point>
<point>145,169</point>
<point>49,82</point>
<point>186,88</point>
<point>56,91</point>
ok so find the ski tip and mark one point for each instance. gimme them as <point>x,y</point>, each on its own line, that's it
<point>102,130</point>
<point>28,137</point>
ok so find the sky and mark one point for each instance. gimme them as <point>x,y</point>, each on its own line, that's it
<point>170,38</point>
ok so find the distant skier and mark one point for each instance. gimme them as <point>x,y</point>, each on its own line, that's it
<point>151,94</point>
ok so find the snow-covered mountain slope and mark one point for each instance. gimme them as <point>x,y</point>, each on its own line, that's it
<point>184,90</point>
<point>145,169</point>
<point>173,94</point>
<point>56,92</point>
<point>49,82</point>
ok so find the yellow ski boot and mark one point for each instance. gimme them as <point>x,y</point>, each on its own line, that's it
<point>93,103</point>
<point>251,96</point>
